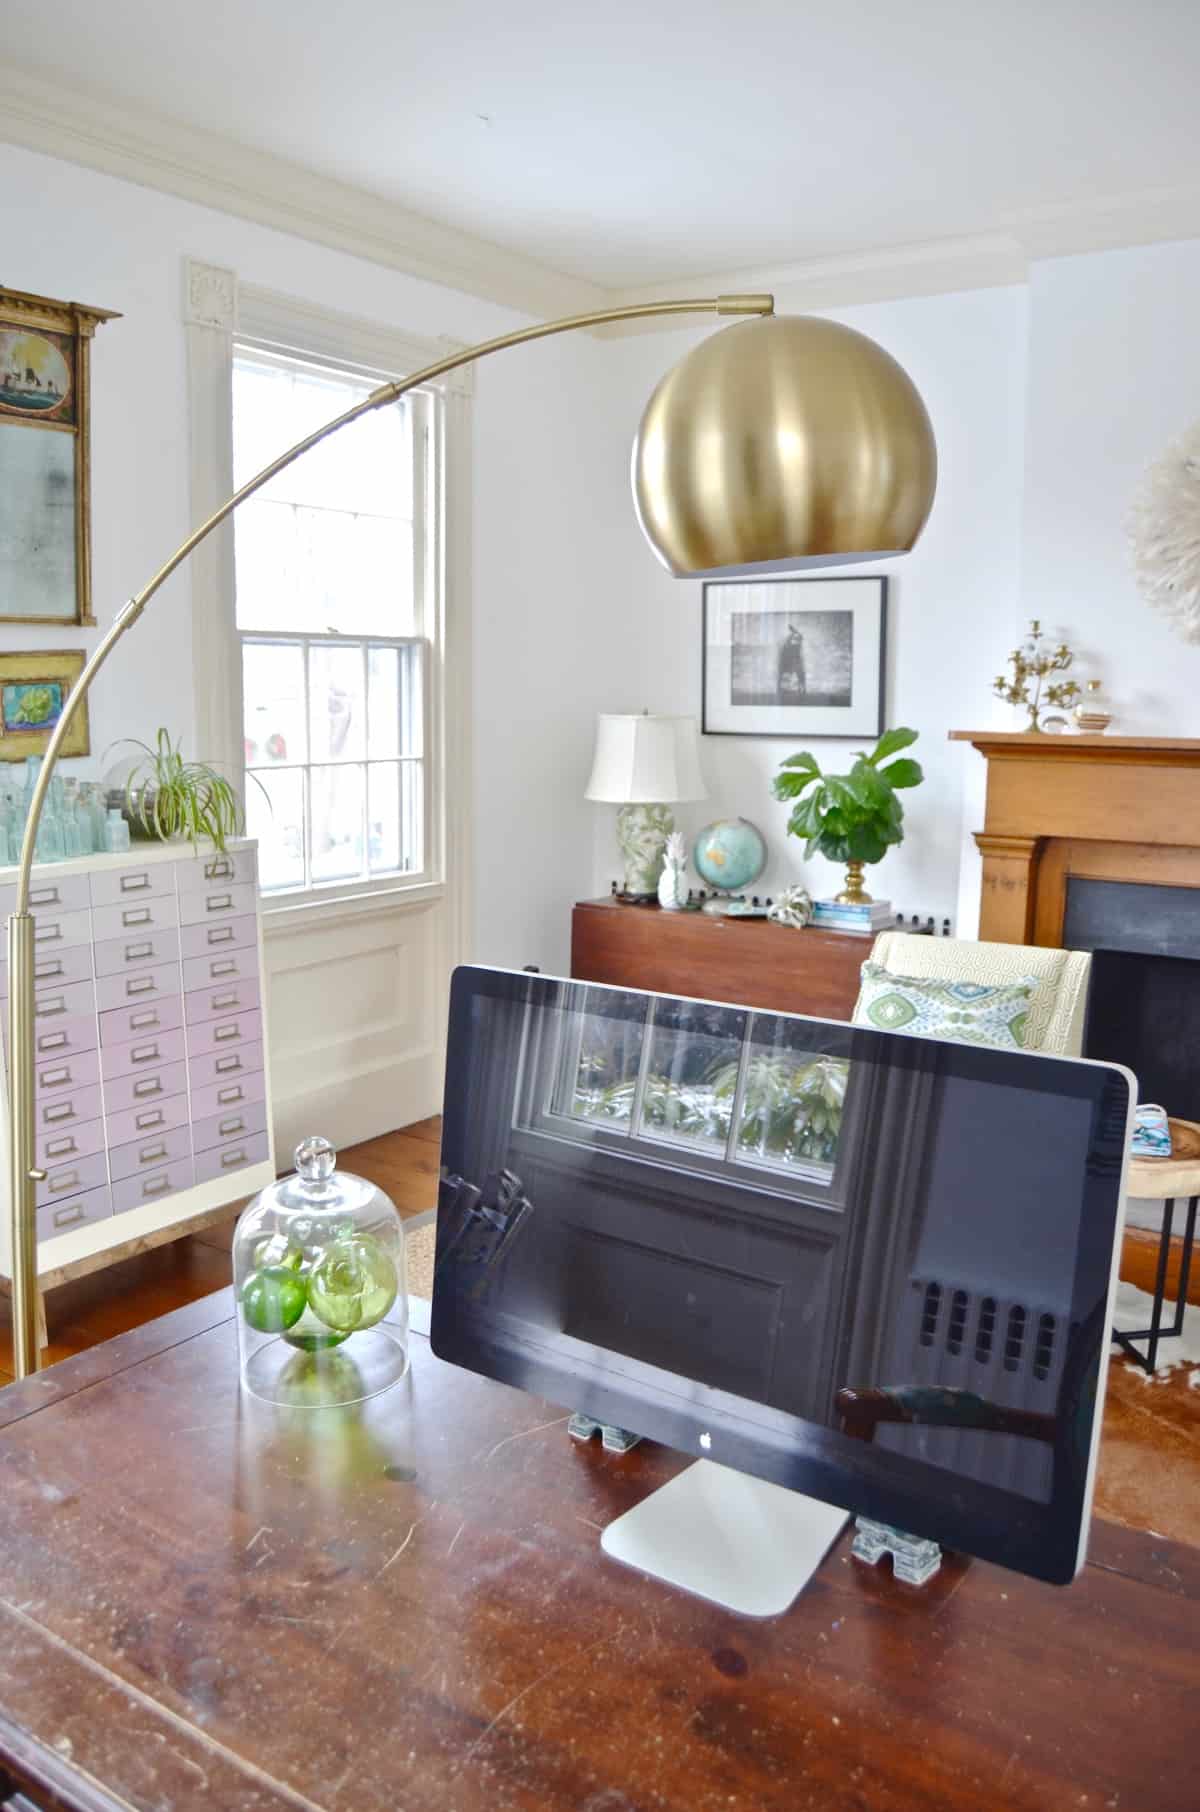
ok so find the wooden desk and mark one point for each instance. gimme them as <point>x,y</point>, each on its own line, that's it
<point>405,1609</point>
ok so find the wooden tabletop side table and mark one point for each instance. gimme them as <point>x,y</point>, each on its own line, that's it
<point>1169,1181</point>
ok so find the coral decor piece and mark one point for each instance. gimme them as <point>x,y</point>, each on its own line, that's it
<point>1164,533</point>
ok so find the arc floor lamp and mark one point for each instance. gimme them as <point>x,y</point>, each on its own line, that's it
<point>779,444</point>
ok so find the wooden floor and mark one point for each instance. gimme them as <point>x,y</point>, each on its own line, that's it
<point>82,1314</point>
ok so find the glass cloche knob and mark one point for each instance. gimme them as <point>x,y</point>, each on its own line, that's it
<point>315,1159</point>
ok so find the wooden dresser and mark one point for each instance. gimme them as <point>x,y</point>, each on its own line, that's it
<point>749,961</point>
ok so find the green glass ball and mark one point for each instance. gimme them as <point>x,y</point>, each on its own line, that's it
<point>273,1299</point>
<point>353,1285</point>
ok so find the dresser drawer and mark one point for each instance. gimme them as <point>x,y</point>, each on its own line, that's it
<point>219,1000</point>
<point>151,1152</point>
<point>152,1185</point>
<point>224,1034</point>
<point>69,1143</point>
<point>222,1160</point>
<point>142,1021</point>
<point>213,1068</point>
<point>61,1037</point>
<point>230,1123</point>
<point>64,1217</point>
<point>63,1075</point>
<point>59,930</point>
<point>137,950</point>
<point>137,985</point>
<point>150,1051</point>
<point>218,901</point>
<point>228,934</point>
<point>207,873</point>
<point>63,1001</point>
<point>220,966</point>
<point>140,1122</point>
<point>130,918</point>
<point>72,963</point>
<point>222,1097</point>
<point>72,1179</point>
<point>57,1111</point>
<point>140,1087</point>
<point>59,893</point>
<point>144,881</point>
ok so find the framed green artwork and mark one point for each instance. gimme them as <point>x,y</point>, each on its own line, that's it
<point>33,690</point>
<point>45,458</point>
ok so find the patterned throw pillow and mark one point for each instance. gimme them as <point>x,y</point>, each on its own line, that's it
<point>966,1012</point>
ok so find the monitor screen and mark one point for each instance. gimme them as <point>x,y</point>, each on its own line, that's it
<point>877,1269</point>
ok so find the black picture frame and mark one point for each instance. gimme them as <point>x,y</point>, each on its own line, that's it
<point>747,678</point>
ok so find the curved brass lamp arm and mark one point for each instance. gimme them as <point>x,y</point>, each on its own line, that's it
<point>21,1149</point>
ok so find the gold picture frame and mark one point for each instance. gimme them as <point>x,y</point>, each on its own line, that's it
<point>34,687</point>
<point>45,458</point>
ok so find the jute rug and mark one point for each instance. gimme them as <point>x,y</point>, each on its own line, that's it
<point>420,1233</point>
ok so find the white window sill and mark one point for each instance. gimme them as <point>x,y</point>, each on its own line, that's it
<point>297,911</point>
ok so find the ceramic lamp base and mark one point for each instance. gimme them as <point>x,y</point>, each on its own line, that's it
<point>642,832</point>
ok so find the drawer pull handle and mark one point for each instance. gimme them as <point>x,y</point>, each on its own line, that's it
<point>45,971</point>
<point>230,1158</point>
<point>64,1111</point>
<point>52,1041</point>
<point>144,1053</point>
<point>140,1022</point>
<point>137,953</point>
<point>227,966</point>
<point>153,1154</point>
<point>142,916</point>
<point>227,1096</point>
<point>47,934</point>
<point>223,1034</point>
<point>149,1085</point>
<point>144,1122</point>
<point>55,1078</point>
<point>63,1148</point>
<point>219,869</point>
<point>134,883</point>
<point>218,902</point>
<point>228,999</point>
<point>50,1008</point>
<point>227,1128</point>
<point>44,896</point>
<point>220,934</point>
<point>67,1217</point>
<point>140,984</point>
<point>227,1064</point>
<point>156,1185</point>
<point>66,1179</point>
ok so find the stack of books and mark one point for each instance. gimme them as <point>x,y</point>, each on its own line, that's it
<point>866,920</point>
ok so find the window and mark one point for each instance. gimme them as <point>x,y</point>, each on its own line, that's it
<point>334,608</point>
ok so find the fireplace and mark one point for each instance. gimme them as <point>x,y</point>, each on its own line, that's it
<point>1131,915</point>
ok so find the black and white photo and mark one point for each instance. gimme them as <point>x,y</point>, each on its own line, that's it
<point>794,657</point>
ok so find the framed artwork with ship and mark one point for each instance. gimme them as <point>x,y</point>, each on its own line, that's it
<point>45,458</point>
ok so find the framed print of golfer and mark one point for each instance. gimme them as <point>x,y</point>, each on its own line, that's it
<point>794,657</point>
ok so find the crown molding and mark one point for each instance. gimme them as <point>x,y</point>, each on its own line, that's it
<point>217,173</point>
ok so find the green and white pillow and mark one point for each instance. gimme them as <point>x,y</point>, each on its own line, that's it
<point>964,1012</point>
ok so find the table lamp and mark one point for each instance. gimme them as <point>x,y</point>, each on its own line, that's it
<point>781,443</point>
<point>645,765</point>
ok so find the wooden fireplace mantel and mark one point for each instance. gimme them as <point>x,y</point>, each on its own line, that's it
<point>1114,808</point>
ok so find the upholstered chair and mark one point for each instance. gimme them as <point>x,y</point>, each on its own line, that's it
<point>1056,1010</point>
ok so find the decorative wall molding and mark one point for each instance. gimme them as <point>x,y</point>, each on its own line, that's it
<point>210,296</point>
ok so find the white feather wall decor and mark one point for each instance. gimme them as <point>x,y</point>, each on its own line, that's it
<point>1164,531</point>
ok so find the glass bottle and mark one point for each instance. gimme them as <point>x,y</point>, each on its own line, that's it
<point>319,1275</point>
<point>116,832</point>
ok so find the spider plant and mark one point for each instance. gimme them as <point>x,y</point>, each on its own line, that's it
<point>168,797</point>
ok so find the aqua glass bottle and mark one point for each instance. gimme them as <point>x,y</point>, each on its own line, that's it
<point>116,832</point>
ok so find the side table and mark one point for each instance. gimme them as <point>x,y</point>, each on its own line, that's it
<point>1166,1180</point>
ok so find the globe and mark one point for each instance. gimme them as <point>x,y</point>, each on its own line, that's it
<point>729,854</point>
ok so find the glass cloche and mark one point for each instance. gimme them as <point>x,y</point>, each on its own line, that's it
<point>322,1298</point>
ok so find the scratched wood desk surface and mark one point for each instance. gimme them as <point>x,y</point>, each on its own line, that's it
<point>403,1608</point>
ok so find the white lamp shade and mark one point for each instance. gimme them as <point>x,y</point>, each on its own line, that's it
<point>646,760</point>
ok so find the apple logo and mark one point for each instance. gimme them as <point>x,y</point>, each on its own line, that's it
<point>706,1441</point>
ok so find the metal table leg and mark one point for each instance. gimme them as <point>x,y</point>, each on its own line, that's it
<point>1156,1331</point>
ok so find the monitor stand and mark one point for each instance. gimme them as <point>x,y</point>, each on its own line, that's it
<point>738,1541</point>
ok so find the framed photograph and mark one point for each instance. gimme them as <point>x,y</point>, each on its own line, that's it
<point>794,657</point>
<point>33,690</point>
<point>45,461</point>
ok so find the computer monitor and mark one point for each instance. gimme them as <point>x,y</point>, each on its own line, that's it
<point>874,1270</point>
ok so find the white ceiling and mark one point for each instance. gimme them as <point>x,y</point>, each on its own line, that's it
<point>637,141</point>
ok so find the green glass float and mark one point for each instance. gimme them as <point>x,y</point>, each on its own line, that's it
<point>318,1265</point>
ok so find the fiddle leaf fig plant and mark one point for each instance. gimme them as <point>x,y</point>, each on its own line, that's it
<point>854,817</point>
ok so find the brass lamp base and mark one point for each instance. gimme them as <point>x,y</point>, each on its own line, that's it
<point>853,893</point>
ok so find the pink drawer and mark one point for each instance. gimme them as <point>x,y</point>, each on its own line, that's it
<point>220,966</point>
<point>59,1001</point>
<point>61,930</point>
<point>217,1067</point>
<point>69,1143</point>
<point>51,893</point>
<point>137,950</point>
<point>140,1087</point>
<point>62,1037</point>
<point>64,1217</point>
<point>66,1180</point>
<point>124,1023</point>
<point>229,934</point>
<point>219,900</point>
<point>216,1002</point>
<point>152,1185</point>
<point>223,1160</point>
<point>140,1122</point>
<point>144,881</point>
<point>223,1034</point>
<point>63,1075</point>
<point>220,1097</point>
<point>208,873</point>
<point>150,1153</point>
<point>58,1111</point>
<point>149,1052</point>
<point>137,985</point>
<point>135,917</point>
<point>73,963</point>
<point>230,1123</point>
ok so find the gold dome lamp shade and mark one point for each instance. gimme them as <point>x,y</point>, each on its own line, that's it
<point>783,443</point>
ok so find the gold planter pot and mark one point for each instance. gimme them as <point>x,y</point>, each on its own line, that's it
<point>853,893</point>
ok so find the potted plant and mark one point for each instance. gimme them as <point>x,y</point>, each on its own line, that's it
<point>850,818</point>
<point>168,797</point>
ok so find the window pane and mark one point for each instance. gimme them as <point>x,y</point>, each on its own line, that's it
<point>273,697</point>
<point>337,706</point>
<point>693,1074</point>
<point>366,466</point>
<point>275,815</point>
<point>383,813</point>
<point>319,570</point>
<point>412,703</point>
<point>603,1054</point>
<point>412,816</point>
<point>792,1099</point>
<point>383,701</point>
<point>337,823</point>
